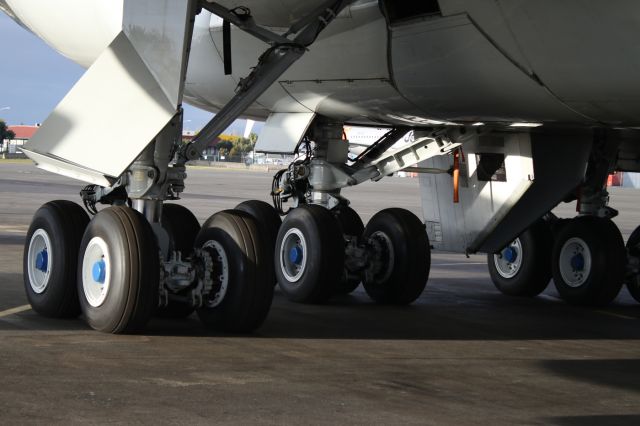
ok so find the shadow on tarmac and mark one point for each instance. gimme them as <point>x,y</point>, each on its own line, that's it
<point>598,420</point>
<point>448,310</point>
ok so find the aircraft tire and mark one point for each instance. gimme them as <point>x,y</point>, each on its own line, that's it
<point>118,271</point>
<point>309,255</point>
<point>242,271</point>
<point>633,247</point>
<point>401,271</point>
<point>268,221</point>
<point>182,227</point>
<point>51,256</point>
<point>352,226</point>
<point>523,269</point>
<point>588,261</point>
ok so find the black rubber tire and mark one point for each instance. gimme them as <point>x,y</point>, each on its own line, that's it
<point>135,268</point>
<point>633,248</point>
<point>64,222</point>
<point>268,221</point>
<point>265,215</point>
<point>608,260</point>
<point>535,271</point>
<point>352,226</point>
<point>412,257</point>
<point>250,290</point>
<point>182,227</point>
<point>324,260</point>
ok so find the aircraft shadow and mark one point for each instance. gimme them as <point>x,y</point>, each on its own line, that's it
<point>448,310</point>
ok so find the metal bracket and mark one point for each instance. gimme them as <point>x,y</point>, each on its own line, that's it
<point>241,18</point>
<point>271,65</point>
<point>420,150</point>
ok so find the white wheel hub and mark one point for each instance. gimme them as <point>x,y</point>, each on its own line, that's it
<point>293,255</point>
<point>96,272</point>
<point>509,261</point>
<point>39,261</point>
<point>575,262</point>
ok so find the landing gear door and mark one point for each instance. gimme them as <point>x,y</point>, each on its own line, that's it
<point>495,170</point>
<point>135,84</point>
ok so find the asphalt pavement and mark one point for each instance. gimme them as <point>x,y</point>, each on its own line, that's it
<point>462,354</point>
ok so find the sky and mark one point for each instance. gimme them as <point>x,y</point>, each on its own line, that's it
<point>34,78</point>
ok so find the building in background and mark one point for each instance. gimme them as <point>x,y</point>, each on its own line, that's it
<point>11,147</point>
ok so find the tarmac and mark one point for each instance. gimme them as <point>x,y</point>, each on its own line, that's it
<point>463,354</point>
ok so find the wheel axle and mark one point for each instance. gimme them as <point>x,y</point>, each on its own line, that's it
<point>295,255</point>
<point>42,261</point>
<point>510,254</point>
<point>98,272</point>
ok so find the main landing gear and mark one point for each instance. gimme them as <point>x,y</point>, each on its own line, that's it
<point>140,257</point>
<point>323,248</point>
<point>112,269</point>
<point>586,255</point>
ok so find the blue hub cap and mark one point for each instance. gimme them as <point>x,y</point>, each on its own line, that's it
<point>510,254</point>
<point>42,261</point>
<point>98,271</point>
<point>295,255</point>
<point>577,262</point>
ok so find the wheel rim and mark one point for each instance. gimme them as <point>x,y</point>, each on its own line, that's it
<point>39,261</point>
<point>96,272</point>
<point>509,261</point>
<point>381,266</point>
<point>221,273</point>
<point>575,262</point>
<point>293,255</point>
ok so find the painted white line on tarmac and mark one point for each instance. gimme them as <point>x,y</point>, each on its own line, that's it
<point>14,229</point>
<point>548,297</point>
<point>15,310</point>
<point>613,314</point>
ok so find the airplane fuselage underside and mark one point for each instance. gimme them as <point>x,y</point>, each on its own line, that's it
<point>451,61</point>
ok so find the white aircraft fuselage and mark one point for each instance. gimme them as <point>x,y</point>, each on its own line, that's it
<point>467,61</point>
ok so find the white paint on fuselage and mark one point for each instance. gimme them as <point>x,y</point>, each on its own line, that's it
<point>78,29</point>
